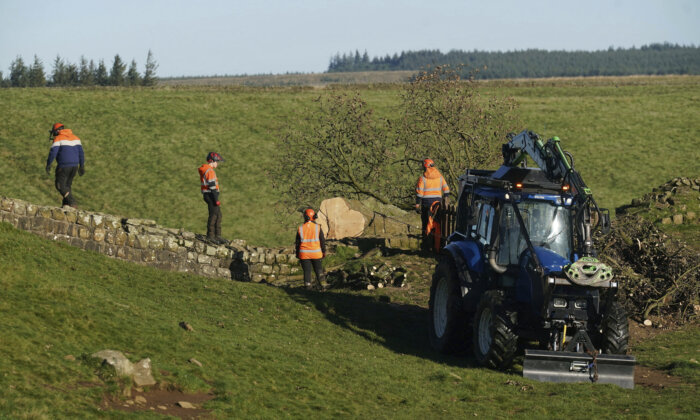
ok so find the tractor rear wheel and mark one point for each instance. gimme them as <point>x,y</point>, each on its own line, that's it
<point>448,328</point>
<point>495,342</point>
<point>616,333</point>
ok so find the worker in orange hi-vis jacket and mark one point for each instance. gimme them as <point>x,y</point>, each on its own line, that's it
<point>431,187</point>
<point>210,192</point>
<point>67,150</point>
<point>311,248</point>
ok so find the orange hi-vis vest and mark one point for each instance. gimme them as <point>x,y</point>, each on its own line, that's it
<point>431,185</point>
<point>208,177</point>
<point>310,247</point>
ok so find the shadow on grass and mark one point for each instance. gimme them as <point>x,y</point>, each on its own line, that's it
<point>399,327</point>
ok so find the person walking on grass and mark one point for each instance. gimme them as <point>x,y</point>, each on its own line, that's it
<point>210,193</point>
<point>67,150</point>
<point>311,248</point>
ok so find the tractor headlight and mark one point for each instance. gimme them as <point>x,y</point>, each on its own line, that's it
<point>559,303</point>
<point>581,304</point>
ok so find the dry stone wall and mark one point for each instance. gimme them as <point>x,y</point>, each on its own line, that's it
<point>143,241</point>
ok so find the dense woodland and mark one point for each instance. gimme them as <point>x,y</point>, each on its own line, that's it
<point>654,59</point>
<point>85,73</point>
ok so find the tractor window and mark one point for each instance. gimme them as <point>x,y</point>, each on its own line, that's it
<point>548,225</point>
<point>465,212</point>
<point>509,248</point>
<point>485,226</point>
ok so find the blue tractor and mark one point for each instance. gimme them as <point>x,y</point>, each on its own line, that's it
<point>520,270</point>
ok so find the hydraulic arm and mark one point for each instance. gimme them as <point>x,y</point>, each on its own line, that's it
<point>558,166</point>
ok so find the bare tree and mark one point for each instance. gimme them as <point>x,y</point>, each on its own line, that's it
<point>446,118</point>
<point>342,149</point>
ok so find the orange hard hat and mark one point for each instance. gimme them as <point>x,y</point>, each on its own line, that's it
<point>57,126</point>
<point>309,214</point>
<point>427,163</point>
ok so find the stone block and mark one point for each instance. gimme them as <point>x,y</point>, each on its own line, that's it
<point>187,235</point>
<point>677,219</point>
<point>224,273</point>
<point>165,256</point>
<point>203,259</point>
<point>24,223</point>
<point>110,250</point>
<point>84,233</point>
<point>269,259</point>
<point>690,216</point>
<point>60,227</point>
<point>62,238</point>
<point>141,241</point>
<point>84,218</point>
<point>91,246</point>
<point>257,278</point>
<point>188,244</point>
<point>120,237</point>
<point>77,242</point>
<point>292,259</point>
<point>284,269</point>
<point>57,214</point>
<point>39,224</point>
<point>266,269</point>
<point>109,237</point>
<point>6,204</point>
<point>275,269</point>
<point>99,234</point>
<point>31,209</point>
<point>121,252</point>
<point>200,247</point>
<point>148,255</point>
<point>20,208</point>
<point>111,222</point>
<point>208,270</point>
<point>191,256</point>
<point>47,212</point>
<point>222,252</point>
<point>170,243</point>
<point>140,222</point>
<point>253,257</point>
<point>294,269</point>
<point>71,215</point>
<point>281,258</point>
<point>155,242</point>
<point>97,220</point>
<point>211,250</point>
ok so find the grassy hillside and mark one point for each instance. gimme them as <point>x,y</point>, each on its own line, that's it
<point>143,146</point>
<point>265,351</point>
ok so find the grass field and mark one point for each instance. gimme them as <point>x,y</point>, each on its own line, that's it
<point>143,146</point>
<point>267,352</point>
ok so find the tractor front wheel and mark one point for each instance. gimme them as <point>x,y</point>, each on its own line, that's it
<point>447,326</point>
<point>495,342</point>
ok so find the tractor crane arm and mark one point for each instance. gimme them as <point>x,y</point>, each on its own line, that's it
<point>557,166</point>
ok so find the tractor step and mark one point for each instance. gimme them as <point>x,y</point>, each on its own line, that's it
<point>564,366</point>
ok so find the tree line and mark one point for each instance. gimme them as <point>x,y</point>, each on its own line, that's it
<point>85,73</point>
<point>653,59</point>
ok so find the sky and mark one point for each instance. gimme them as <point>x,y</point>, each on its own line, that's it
<point>236,37</point>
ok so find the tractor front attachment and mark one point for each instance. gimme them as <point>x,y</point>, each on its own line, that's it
<point>566,366</point>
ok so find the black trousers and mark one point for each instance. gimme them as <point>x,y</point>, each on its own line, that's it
<point>64,182</point>
<point>317,266</point>
<point>214,221</point>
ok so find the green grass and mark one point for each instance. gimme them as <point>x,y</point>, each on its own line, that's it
<point>143,146</point>
<point>678,353</point>
<point>266,352</point>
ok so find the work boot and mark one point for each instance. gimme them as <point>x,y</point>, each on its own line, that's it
<point>308,286</point>
<point>221,241</point>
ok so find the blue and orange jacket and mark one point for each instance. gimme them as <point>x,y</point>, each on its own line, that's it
<point>67,150</point>
<point>207,176</point>
<point>431,186</point>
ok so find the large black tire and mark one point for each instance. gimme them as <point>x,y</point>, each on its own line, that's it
<point>616,332</point>
<point>495,341</point>
<point>448,324</point>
